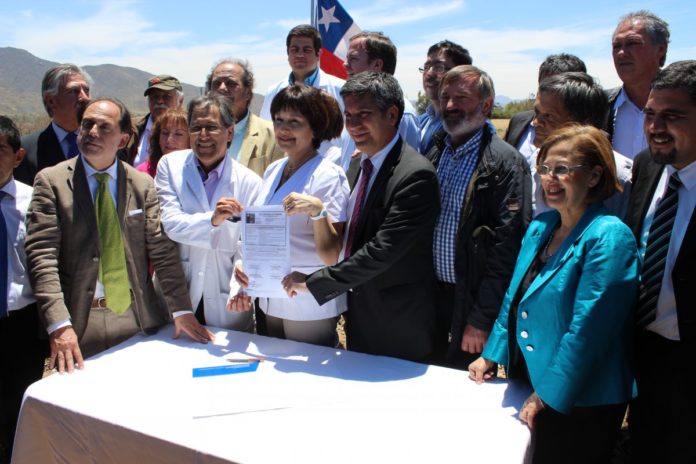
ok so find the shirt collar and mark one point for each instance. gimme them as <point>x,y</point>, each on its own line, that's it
<point>112,170</point>
<point>623,99</point>
<point>430,110</point>
<point>687,175</point>
<point>309,80</point>
<point>240,126</point>
<point>378,158</point>
<point>60,132</point>
<point>468,146</point>
<point>10,188</point>
<point>217,170</point>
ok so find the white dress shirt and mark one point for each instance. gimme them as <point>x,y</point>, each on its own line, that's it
<point>665,322</point>
<point>144,144</point>
<point>14,206</point>
<point>629,138</point>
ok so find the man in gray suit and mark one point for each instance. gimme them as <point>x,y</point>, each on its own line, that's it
<point>83,211</point>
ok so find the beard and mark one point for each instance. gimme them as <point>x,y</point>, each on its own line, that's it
<point>661,157</point>
<point>457,123</point>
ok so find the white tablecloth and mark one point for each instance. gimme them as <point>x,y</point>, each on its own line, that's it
<point>138,403</point>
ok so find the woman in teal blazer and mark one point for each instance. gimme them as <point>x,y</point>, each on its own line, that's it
<point>566,321</point>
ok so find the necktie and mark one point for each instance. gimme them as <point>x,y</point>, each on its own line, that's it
<point>3,261</point>
<point>73,151</point>
<point>112,265</point>
<point>357,208</point>
<point>656,254</point>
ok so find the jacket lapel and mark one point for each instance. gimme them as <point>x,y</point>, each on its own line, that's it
<point>193,181</point>
<point>82,197</point>
<point>642,193</point>
<point>122,193</point>
<point>249,142</point>
<point>566,249</point>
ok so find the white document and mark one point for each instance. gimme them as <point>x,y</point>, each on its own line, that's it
<point>266,250</point>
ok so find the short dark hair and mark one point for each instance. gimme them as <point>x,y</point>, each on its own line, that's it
<point>124,117</point>
<point>656,27</point>
<point>9,130</point>
<point>379,47</point>
<point>594,149</point>
<point>304,30</point>
<point>247,76</point>
<point>320,109</point>
<point>582,97</point>
<point>383,88</point>
<point>56,77</point>
<point>212,100</point>
<point>560,63</point>
<point>458,54</point>
<point>680,75</point>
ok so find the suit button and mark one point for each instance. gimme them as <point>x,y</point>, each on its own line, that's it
<point>95,259</point>
<point>524,315</point>
<point>530,348</point>
<point>524,334</point>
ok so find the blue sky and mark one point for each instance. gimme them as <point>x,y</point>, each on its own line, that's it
<point>508,39</point>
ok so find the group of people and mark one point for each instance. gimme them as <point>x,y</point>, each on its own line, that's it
<point>564,252</point>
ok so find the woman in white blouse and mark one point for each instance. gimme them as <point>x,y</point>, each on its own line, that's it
<point>314,193</point>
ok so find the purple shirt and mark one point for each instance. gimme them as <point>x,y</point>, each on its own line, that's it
<point>212,178</point>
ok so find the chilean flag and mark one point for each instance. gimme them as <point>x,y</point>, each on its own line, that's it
<point>336,28</point>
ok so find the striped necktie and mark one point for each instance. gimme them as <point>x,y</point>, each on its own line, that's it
<point>656,253</point>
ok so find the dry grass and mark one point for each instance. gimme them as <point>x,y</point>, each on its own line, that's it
<point>501,126</point>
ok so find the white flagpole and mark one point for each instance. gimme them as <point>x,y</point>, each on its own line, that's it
<point>313,13</point>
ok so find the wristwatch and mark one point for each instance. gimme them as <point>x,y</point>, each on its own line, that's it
<point>321,215</point>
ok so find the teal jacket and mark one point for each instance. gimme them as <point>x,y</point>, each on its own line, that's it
<point>575,322</point>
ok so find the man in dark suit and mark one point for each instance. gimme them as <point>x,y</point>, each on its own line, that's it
<point>520,132</point>
<point>639,48</point>
<point>387,268</point>
<point>486,198</point>
<point>93,227</point>
<point>65,90</point>
<point>163,92</point>
<point>661,215</point>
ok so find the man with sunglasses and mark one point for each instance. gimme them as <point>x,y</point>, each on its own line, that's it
<point>567,98</point>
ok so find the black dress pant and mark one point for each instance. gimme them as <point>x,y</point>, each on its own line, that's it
<point>585,436</point>
<point>22,355</point>
<point>662,419</point>
<point>445,353</point>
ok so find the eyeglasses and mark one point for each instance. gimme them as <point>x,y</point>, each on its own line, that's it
<point>436,68</point>
<point>558,170</point>
<point>210,129</point>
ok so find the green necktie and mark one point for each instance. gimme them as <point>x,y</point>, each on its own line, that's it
<point>112,266</point>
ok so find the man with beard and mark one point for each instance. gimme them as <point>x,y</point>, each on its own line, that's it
<point>661,215</point>
<point>442,57</point>
<point>485,208</point>
<point>162,92</point>
<point>65,90</point>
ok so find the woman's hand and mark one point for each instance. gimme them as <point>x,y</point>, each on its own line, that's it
<point>481,370</point>
<point>531,407</point>
<point>297,203</point>
<point>239,275</point>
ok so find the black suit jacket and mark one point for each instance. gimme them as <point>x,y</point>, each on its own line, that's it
<point>646,175</point>
<point>518,126</point>
<point>390,278</point>
<point>43,151</point>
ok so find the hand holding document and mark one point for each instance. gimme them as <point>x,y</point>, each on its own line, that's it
<point>266,250</point>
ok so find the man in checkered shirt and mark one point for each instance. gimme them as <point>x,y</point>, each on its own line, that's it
<point>486,206</point>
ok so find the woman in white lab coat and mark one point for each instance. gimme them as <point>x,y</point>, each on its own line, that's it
<point>314,193</point>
